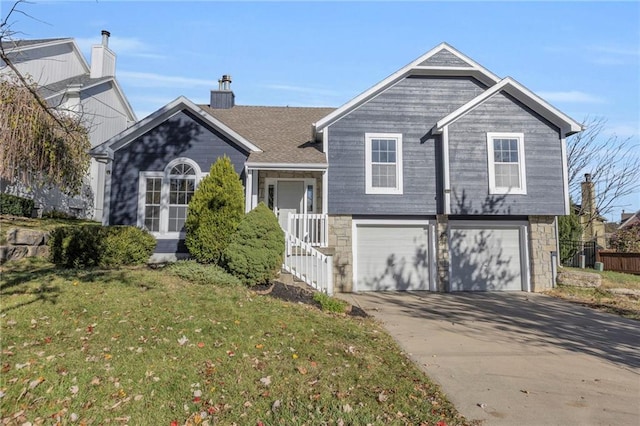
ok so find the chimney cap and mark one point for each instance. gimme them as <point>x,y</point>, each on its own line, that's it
<point>105,32</point>
<point>587,177</point>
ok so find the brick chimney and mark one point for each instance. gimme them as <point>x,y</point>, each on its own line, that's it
<point>103,60</point>
<point>223,98</point>
<point>588,196</point>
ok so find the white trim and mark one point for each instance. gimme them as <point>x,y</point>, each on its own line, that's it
<point>412,68</point>
<point>369,188</point>
<point>254,189</point>
<point>325,174</point>
<point>165,175</point>
<point>446,178</point>
<point>567,125</point>
<point>179,104</point>
<point>565,177</point>
<point>305,181</point>
<point>310,167</point>
<point>248,190</point>
<point>493,189</point>
<point>388,222</point>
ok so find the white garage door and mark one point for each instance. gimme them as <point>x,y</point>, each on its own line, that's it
<point>486,259</point>
<point>392,257</point>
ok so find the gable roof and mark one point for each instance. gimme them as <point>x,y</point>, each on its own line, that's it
<point>567,125</point>
<point>441,60</point>
<point>631,221</point>
<point>283,133</point>
<point>106,149</point>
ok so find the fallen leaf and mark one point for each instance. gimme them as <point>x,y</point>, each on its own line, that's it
<point>183,340</point>
<point>382,397</point>
<point>138,398</point>
<point>74,389</point>
<point>294,356</point>
<point>266,381</point>
<point>302,370</point>
<point>36,382</point>
<point>276,404</point>
<point>347,408</point>
<point>201,344</point>
<point>259,346</point>
<point>95,381</point>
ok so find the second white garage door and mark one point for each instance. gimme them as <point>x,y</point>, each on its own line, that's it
<point>392,257</point>
<point>487,258</point>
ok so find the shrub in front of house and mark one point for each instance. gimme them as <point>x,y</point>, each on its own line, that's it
<point>16,206</point>
<point>215,211</point>
<point>256,249</point>
<point>626,240</point>
<point>126,245</point>
<point>93,245</point>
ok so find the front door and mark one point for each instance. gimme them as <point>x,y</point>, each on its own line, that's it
<point>289,199</point>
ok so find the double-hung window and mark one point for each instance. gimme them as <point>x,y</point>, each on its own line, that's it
<point>383,163</point>
<point>164,197</point>
<point>507,173</point>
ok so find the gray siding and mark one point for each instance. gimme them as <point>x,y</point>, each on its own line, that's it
<point>410,107</point>
<point>180,136</point>
<point>469,162</point>
<point>444,58</point>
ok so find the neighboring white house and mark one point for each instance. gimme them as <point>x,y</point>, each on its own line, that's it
<point>67,81</point>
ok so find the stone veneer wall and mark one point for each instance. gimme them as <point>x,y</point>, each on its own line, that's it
<point>340,239</point>
<point>542,241</point>
<point>277,174</point>
<point>442,257</point>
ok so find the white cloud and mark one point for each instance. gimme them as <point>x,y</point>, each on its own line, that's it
<point>121,46</point>
<point>615,50</point>
<point>146,79</point>
<point>624,130</point>
<point>572,96</point>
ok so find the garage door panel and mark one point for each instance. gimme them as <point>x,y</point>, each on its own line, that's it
<point>486,259</point>
<point>392,258</point>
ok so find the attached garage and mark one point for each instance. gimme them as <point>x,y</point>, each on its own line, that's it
<point>488,257</point>
<point>393,255</point>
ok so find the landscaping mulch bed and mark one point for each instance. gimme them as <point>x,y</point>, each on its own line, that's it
<point>298,294</point>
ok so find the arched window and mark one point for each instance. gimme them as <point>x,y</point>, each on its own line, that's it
<point>164,197</point>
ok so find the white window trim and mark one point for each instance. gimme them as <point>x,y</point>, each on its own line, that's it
<point>522,190</point>
<point>369,188</point>
<point>307,182</point>
<point>164,196</point>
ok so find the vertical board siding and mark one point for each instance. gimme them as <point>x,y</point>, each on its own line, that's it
<point>469,162</point>
<point>180,136</point>
<point>410,107</point>
<point>446,59</point>
<point>48,64</point>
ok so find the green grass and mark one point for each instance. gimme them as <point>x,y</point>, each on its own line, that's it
<point>602,298</point>
<point>146,347</point>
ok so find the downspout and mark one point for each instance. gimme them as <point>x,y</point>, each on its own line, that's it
<point>445,171</point>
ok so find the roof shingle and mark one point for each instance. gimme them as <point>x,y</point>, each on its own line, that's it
<point>283,133</point>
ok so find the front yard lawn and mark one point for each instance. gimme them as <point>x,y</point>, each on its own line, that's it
<point>608,297</point>
<point>145,347</point>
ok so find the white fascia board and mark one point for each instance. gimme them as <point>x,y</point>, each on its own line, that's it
<point>567,125</point>
<point>129,135</point>
<point>409,69</point>
<point>287,166</point>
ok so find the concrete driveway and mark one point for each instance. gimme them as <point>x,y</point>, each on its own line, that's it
<point>518,358</point>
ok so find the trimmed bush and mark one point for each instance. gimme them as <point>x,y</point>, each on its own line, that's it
<point>126,245</point>
<point>93,245</point>
<point>215,211</point>
<point>256,249</point>
<point>198,273</point>
<point>16,206</point>
<point>330,304</point>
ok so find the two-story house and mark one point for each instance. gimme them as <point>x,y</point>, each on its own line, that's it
<point>66,81</point>
<point>441,177</point>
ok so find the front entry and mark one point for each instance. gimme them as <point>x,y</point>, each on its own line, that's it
<point>289,198</point>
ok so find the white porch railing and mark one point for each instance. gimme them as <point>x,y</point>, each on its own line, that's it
<point>308,264</point>
<point>310,228</point>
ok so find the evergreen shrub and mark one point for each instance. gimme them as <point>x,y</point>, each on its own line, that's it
<point>256,249</point>
<point>215,211</point>
<point>16,206</point>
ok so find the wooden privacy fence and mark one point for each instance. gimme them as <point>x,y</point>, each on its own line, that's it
<point>619,262</point>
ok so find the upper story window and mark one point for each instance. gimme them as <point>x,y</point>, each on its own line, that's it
<point>383,163</point>
<point>164,197</point>
<point>507,173</point>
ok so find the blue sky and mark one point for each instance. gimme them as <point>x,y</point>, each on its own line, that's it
<point>582,57</point>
